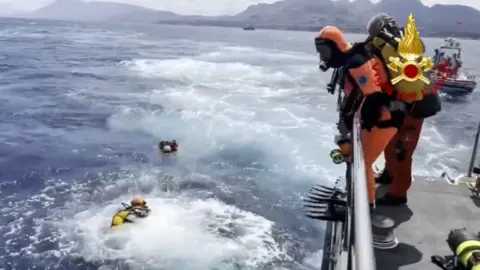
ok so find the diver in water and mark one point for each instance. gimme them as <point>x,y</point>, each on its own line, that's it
<point>168,147</point>
<point>137,209</point>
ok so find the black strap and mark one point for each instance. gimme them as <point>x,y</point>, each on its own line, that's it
<point>388,39</point>
<point>442,262</point>
<point>354,100</point>
<point>333,81</point>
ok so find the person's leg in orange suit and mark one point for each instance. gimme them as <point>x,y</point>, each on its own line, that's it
<point>374,143</point>
<point>398,162</point>
<point>390,161</point>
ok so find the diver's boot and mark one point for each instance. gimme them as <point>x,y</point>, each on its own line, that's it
<point>389,200</point>
<point>384,178</point>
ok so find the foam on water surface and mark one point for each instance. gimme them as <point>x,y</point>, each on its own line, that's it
<point>180,233</point>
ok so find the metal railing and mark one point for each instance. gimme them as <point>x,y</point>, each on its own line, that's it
<point>362,227</point>
<point>474,153</point>
<point>349,243</point>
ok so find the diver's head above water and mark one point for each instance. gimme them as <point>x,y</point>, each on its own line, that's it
<point>332,48</point>
<point>168,147</point>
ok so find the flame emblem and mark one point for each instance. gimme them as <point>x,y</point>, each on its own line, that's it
<point>411,64</point>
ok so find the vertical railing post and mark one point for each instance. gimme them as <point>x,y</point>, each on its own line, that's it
<point>363,246</point>
<point>474,152</point>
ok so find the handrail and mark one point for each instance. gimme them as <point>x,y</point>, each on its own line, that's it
<point>474,152</point>
<point>363,246</point>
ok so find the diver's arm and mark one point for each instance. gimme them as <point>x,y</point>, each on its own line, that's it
<point>364,70</point>
<point>141,212</point>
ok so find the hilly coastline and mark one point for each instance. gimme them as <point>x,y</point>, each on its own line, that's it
<point>438,20</point>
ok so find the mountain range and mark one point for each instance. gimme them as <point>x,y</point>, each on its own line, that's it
<point>285,14</point>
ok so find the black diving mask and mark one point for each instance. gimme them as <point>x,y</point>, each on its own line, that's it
<point>329,54</point>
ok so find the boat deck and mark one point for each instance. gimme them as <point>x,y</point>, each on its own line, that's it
<point>434,208</point>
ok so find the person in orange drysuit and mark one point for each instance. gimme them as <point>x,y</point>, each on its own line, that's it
<point>389,124</point>
<point>398,162</point>
<point>400,150</point>
<point>379,123</point>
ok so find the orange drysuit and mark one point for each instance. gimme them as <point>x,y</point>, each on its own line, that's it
<point>399,156</point>
<point>360,67</point>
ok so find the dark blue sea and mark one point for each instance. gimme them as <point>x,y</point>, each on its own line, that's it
<point>83,105</point>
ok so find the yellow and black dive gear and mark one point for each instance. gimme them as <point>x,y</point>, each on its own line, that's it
<point>466,247</point>
<point>337,156</point>
<point>120,217</point>
<point>466,250</point>
<point>137,207</point>
<point>385,44</point>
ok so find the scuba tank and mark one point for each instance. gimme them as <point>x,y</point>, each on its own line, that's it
<point>385,37</point>
<point>466,247</point>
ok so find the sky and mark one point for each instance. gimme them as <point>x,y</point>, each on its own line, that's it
<point>188,7</point>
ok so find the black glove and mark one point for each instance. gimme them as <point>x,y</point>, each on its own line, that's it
<point>372,109</point>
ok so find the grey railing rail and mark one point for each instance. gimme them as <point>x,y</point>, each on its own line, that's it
<point>362,229</point>
<point>474,152</point>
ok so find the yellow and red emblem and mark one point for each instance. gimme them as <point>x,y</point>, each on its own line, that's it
<point>411,64</point>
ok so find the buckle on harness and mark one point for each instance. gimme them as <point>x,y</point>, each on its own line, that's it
<point>397,105</point>
<point>397,111</point>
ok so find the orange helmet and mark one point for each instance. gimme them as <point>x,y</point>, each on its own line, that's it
<point>138,202</point>
<point>332,47</point>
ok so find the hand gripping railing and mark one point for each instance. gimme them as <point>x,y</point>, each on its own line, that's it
<point>362,228</point>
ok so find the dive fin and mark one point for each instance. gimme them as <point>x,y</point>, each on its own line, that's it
<point>325,203</point>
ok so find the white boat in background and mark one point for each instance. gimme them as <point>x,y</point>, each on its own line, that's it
<point>458,83</point>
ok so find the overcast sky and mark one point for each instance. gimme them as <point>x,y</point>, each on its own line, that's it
<point>204,7</point>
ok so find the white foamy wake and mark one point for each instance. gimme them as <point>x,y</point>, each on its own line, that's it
<point>180,233</point>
